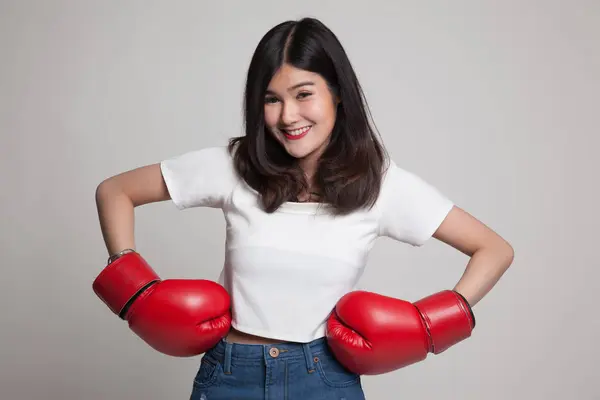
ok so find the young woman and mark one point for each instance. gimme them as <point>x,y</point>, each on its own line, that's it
<point>305,193</point>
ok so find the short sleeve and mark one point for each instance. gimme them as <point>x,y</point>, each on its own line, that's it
<point>411,209</point>
<point>200,178</point>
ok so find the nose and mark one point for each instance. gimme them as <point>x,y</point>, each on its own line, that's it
<point>289,113</point>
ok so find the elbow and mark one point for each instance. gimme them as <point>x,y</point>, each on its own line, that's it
<point>508,249</point>
<point>101,188</point>
<point>105,189</point>
<point>500,250</point>
<point>505,252</point>
<point>509,256</point>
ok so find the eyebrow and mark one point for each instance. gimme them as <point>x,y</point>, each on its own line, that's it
<point>296,86</point>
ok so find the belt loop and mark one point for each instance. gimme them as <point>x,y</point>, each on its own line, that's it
<point>308,357</point>
<point>227,361</point>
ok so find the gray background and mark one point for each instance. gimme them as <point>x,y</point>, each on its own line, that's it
<point>495,103</point>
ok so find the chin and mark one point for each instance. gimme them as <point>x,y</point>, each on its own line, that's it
<point>299,153</point>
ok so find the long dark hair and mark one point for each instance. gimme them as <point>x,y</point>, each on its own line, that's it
<point>350,170</point>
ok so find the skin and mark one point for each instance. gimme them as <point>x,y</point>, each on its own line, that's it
<point>295,99</point>
<point>289,106</point>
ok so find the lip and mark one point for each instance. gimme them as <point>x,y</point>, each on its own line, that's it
<point>296,137</point>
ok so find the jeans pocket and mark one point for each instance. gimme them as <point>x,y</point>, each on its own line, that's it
<point>207,373</point>
<point>335,374</point>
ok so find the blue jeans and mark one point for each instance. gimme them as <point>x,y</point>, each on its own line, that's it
<point>281,371</point>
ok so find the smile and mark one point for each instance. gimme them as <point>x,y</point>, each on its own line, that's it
<point>296,133</point>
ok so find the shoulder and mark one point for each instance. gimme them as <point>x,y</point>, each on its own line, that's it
<point>411,208</point>
<point>394,176</point>
<point>201,177</point>
<point>403,189</point>
<point>215,160</point>
<point>213,154</point>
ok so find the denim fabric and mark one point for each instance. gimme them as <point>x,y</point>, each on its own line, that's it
<point>281,371</point>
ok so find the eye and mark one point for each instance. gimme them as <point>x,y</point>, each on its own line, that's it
<point>303,95</point>
<point>270,99</point>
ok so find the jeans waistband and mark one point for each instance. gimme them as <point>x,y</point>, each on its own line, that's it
<point>227,352</point>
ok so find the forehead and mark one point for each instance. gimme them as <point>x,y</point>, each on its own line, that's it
<point>288,76</point>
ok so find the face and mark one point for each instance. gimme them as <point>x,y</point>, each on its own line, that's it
<point>300,112</point>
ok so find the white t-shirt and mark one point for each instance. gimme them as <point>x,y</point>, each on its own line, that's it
<point>285,271</point>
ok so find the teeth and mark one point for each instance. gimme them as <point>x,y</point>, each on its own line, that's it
<point>297,132</point>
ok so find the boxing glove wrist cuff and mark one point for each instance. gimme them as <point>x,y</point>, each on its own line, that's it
<point>115,256</point>
<point>468,307</point>
<point>123,280</point>
<point>447,318</point>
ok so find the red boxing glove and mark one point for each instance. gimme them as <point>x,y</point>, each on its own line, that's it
<point>372,334</point>
<point>177,317</point>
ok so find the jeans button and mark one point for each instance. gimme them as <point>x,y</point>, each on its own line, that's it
<point>274,352</point>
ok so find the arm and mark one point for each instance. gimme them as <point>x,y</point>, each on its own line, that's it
<point>116,198</point>
<point>178,317</point>
<point>490,255</point>
<point>373,334</point>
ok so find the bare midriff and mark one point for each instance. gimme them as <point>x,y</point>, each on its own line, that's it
<point>235,336</point>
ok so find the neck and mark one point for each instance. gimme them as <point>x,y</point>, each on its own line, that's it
<point>309,167</point>
<point>310,163</point>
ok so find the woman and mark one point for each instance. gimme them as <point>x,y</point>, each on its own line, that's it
<point>305,193</point>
